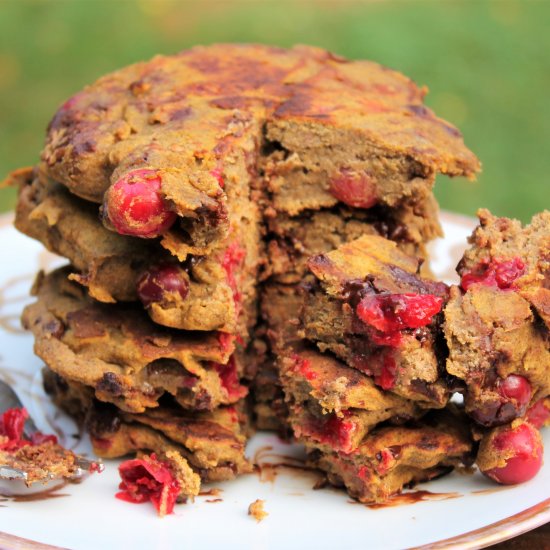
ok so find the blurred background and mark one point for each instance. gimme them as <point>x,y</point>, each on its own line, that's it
<point>487,64</point>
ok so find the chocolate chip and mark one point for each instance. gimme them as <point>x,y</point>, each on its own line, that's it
<point>110,384</point>
<point>103,419</point>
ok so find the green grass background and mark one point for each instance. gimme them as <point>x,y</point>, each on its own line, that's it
<point>487,64</point>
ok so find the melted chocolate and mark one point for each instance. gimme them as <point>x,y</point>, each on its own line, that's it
<point>103,419</point>
<point>413,283</point>
<point>268,471</point>
<point>407,498</point>
<point>45,494</point>
<point>110,384</point>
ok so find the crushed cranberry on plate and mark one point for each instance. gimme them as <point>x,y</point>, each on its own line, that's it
<point>149,479</point>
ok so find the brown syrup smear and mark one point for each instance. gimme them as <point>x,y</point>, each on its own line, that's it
<point>408,498</point>
<point>268,471</point>
<point>213,500</point>
<point>10,322</point>
<point>46,494</point>
<point>265,452</point>
<point>261,452</point>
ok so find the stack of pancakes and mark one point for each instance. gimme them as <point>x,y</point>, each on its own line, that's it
<point>169,332</point>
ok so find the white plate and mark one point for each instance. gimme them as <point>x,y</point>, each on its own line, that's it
<point>88,515</point>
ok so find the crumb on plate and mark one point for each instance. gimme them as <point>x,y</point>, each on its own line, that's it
<point>256,510</point>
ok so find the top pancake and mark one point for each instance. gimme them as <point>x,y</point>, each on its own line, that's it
<point>184,114</point>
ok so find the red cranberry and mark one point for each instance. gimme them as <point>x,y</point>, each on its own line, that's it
<point>134,205</point>
<point>12,427</point>
<point>381,366</point>
<point>365,474</point>
<point>501,274</point>
<point>95,467</point>
<point>518,389</point>
<point>148,478</point>
<point>303,367</point>
<point>387,459</point>
<point>101,444</point>
<point>390,339</point>
<point>217,173</point>
<point>12,423</point>
<point>390,313</point>
<point>339,433</point>
<point>520,451</point>
<point>233,414</point>
<point>71,102</point>
<point>354,189</point>
<point>507,272</point>
<point>539,413</point>
<point>333,431</point>
<point>387,376</point>
<point>233,259</point>
<point>162,282</point>
<point>230,379</point>
<point>38,438</point>
<point>226,341</point>
<point>387,315</point>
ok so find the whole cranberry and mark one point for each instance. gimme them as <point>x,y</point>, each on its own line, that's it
<point>160,284</point>
<point>149,479</point>
<point>517,449</point>
<point>517,389</point>
<point>134,205</point>
<point>354,189</point>
<point>539,413</point>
